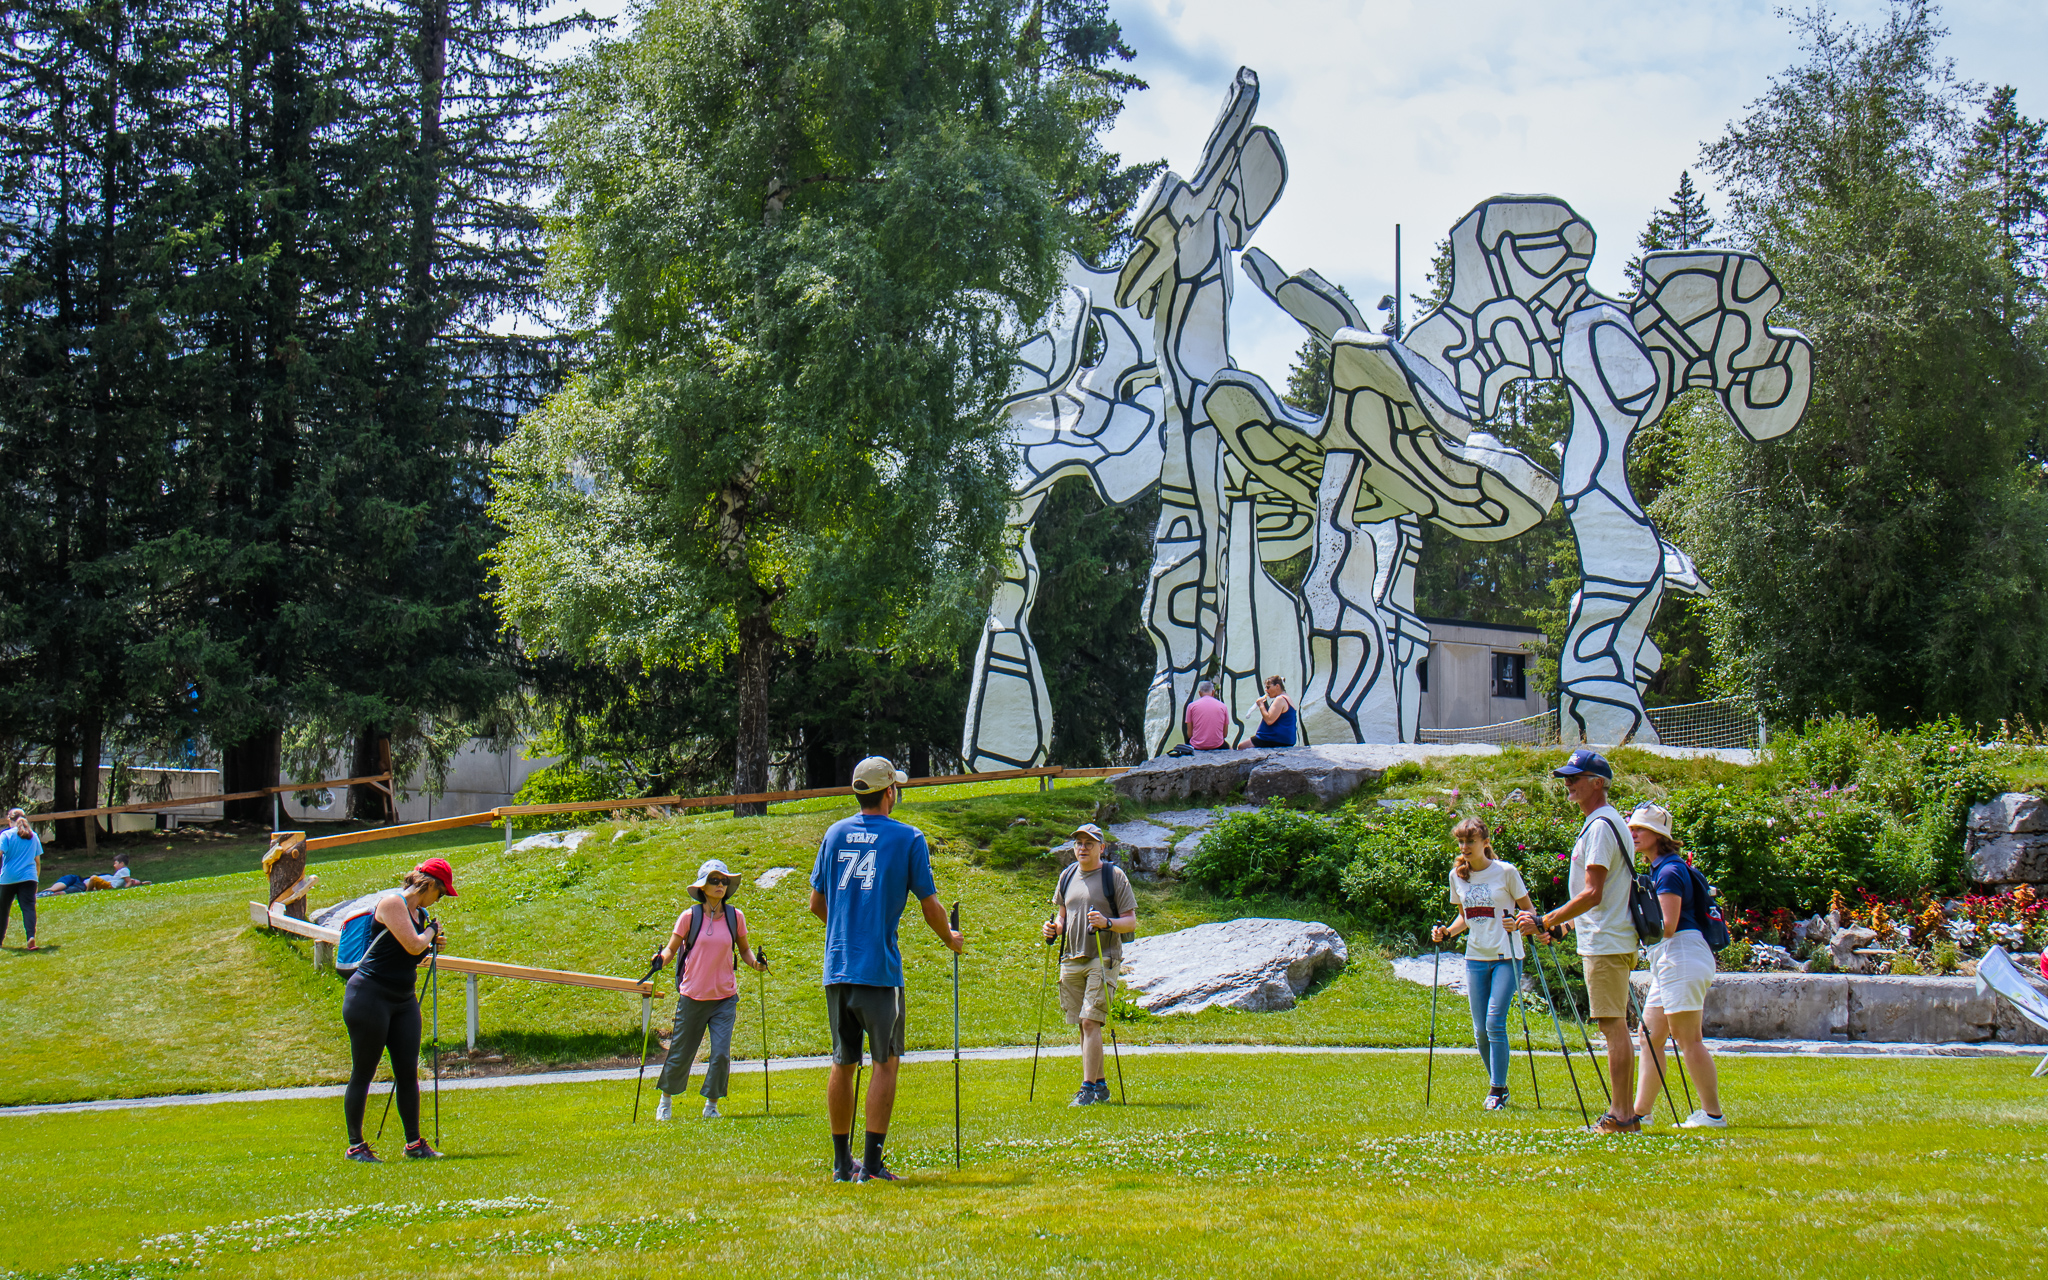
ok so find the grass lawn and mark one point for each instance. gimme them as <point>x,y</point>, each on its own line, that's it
<point>1230,1165</point>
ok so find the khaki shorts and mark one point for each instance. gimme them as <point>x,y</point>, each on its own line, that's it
<point>1607,984</point>
<point>1086,990</point>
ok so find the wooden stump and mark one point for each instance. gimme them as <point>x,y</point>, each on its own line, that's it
<point>286,865</point>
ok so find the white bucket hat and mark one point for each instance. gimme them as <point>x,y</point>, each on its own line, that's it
<point>715,867</point>
<point>1650,817</point>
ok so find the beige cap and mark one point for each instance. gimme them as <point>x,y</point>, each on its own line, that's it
<point>1092,831</point>
<point>1652,817</point>
<point>877,773</point>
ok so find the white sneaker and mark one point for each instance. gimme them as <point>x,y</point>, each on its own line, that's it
<point>661,1109</point>
<point>1701,1120</point>
<point>711,1108</point>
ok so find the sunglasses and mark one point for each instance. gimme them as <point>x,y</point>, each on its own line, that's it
<point>720,881</point>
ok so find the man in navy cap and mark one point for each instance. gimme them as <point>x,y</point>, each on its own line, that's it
<point>1600,874</point>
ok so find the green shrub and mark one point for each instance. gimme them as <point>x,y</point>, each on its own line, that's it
<point>1942,955</point>
<point>566,782</point>
<point>1272,852</point>
<point>1905,966</point>
<point>1398,874</point>
<point>1733,958</point>
<point>1821,961</point>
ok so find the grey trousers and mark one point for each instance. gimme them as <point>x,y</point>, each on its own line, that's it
<point>692,1017</point>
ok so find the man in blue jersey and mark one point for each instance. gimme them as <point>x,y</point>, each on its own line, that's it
<point>868,866</point>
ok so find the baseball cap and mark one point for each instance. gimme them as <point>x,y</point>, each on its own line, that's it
<point>877,773</point>
<point>1092,831</point>
<point>438,870</point>
<point>1584,760</point>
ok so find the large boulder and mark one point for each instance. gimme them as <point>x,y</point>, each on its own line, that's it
<point>2007,840</point>
<point>1307,773</point>
<point>1257,965</point>
<point>1205,773</point>
<point>1325,774</point>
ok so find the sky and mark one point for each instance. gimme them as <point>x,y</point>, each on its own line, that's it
<point>1394,111</point>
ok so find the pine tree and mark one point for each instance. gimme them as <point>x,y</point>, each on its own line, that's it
<point>1684,223</point>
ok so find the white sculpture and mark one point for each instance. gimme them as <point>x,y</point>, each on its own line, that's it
<point>1246,480</point>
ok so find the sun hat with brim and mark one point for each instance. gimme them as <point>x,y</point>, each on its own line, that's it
<point>1650,817</point>
<point>715,867</point>
<point>877,773</point>
<point>438,870</point>
<point>1584,761</point>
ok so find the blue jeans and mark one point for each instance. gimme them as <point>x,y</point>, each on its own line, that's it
<point>1490,985</point>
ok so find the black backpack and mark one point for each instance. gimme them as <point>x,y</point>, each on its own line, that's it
<point>690,939</point>
<point>1644,911</point>
<point>1108,882</point>
<point>1713,925</point>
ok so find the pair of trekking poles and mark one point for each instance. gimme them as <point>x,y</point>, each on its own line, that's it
<point>1038,1040</point>
<point>647,1035</point>
<point>1655,1053</point>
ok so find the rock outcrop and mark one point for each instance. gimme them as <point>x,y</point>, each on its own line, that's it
<point>2007,840</point>
<point>1258,965</point>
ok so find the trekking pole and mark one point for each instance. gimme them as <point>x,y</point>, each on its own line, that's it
<point>1654,1052</point>
<point>953,922</point>
<point>434,985</point>
<point>1038,1039</point>
<point>1436,956</point>
<point>761,958</point>
<point>646,1037</point>
<point>387,1104</point>
<point>1543,976</point>
<point>1528,1047</point>
<point>1585,1039</point>
<point>1123,1095</point>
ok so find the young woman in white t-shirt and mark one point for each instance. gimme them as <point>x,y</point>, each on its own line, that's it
<point>1488,893</point>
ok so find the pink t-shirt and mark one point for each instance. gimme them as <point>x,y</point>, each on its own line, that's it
<point>708,973</point>
<point>1208,724</point>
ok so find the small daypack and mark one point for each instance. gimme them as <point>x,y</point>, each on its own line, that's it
<point>690,939</point>
<point>358,930</point>
<point>1108,884</point>
<point>1713,925</point>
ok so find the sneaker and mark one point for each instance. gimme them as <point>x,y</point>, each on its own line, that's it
<point>662,1109</point>
<point>1496,1099</point>
<point>846,1173</point>
<point>32,945</point>
<point>419,1150</point>
<point>879,1173</point>
<point>362,1154</point>
<point>711,1108</point>
<point>1086,1097</point>
<point>1701,1120</point>
<point>1102,1091</point>
<point>1609,1125</point>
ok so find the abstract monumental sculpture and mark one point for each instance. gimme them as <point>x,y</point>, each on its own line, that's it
<point>1246,480</point>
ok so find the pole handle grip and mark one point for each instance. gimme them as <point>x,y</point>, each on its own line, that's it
<point>953,919</point>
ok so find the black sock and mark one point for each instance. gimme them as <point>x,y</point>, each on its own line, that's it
<point>842,1152</point>
<point>1713,1115</point>
<point>873,1160</point>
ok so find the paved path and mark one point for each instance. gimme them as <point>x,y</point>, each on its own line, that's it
<point>1757,1048</point>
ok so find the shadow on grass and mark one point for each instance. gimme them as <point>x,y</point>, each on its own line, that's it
<point>551,1049</point>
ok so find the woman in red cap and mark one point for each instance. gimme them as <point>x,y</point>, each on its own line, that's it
<point>381,1011</point>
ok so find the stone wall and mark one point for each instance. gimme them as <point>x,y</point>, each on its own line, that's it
<point>1784,1006</point>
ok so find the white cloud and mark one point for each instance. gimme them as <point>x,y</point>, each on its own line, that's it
<point>1409,112</point>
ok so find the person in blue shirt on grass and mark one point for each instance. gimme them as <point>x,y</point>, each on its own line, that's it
<point>21,872</point>
<point>868,867</point>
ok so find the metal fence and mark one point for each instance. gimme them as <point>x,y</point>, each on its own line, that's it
<point>1721,723</point>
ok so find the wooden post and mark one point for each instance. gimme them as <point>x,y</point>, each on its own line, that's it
<point>286,865</point>
<point>390,783</point>
<point>469,982</point>
<point>323,956</point>
<point>646,1013</point>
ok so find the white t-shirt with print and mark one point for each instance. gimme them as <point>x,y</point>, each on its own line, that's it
<point>1606,930</point>
<point>1498,888</point>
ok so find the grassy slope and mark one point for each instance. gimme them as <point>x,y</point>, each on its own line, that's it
<point>168,988</point>
<point>1220,1165</point>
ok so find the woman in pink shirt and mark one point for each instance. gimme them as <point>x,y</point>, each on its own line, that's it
<point>707,988</point>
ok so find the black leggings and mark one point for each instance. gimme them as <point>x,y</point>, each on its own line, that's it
<point>378,1019</point>
<point>26,891</point>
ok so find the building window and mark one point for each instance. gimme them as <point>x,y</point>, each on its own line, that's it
<point>1509,676</point>
<point>1422,674</point>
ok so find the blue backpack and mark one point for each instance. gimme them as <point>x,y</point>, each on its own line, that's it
<point>358,929</point>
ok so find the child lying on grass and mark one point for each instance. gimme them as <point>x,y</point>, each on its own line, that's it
<point>119,878</point>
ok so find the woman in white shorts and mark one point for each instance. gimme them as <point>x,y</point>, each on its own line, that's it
<point>1681,970</point>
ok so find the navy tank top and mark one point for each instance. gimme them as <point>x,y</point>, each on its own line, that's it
<point>389,964</point>
<point>1280,733</point>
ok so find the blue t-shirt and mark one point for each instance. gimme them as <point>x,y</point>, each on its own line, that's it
<point>868,867</point>
<point>1671,875</point>
<point>18,854</point>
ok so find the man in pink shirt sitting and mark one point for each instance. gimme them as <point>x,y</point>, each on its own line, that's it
<point>1208,719</point>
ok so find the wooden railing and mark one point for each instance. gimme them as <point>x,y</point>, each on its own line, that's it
<point>186,802</point>
<point>325,939</point>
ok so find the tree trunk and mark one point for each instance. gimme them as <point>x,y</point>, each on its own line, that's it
<point>372,754</point>
<point>89,736</point>
<point>70,832</point>
<point>250,765</point>
<point>920,760</point>
<point>757,644</point>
